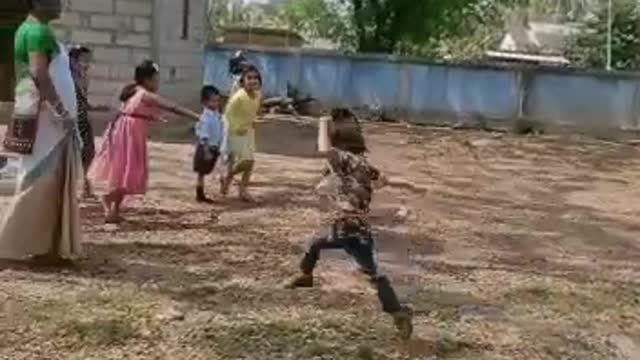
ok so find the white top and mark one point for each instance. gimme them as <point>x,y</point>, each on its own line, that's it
<point>210,130</point>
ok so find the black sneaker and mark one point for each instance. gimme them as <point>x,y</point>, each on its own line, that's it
<point>303,281</point>
<point>403,320</point>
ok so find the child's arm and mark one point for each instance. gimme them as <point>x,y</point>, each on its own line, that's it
<point>169,106</point>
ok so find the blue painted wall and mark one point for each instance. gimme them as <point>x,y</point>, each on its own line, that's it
<point>561,97</point>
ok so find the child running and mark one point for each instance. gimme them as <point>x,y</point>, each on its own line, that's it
<point>353,178</point>
<point>122,161</point>
<point>80,61</point>
<point>210,137</point>
<point>240,115</point>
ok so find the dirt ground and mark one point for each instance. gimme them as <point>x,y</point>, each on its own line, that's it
<point>508,247</point>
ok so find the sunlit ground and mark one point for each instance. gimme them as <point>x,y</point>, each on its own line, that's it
<point>508,247</point>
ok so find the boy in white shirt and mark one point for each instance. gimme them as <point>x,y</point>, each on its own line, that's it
<point>210,132</point>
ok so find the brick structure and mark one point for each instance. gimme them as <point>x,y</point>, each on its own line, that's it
<point>122,33</point>
<point>11,14</point>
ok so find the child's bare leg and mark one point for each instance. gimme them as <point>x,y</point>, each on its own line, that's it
<point>118,205</point>
<point>200,196</point>
<point>115,198</point>
<point>246,179</point>
<point>107,201</point>
<point>226,179</point>
<point>88,190</point>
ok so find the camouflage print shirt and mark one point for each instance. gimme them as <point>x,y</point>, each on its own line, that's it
<point>351,180</point>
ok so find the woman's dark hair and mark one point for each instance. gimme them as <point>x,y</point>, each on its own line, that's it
<point>346,133</point>
<point>250,68</point>
<point>78,51</point>
<point>144,71</point>
<point>207,92</point>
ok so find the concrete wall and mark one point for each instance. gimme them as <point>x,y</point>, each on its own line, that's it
<point>554,96</point>
<point>180,59</point>
<point>122,33</point>
<point>118,32</point>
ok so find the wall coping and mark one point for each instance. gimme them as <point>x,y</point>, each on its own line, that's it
<point>408,60</point>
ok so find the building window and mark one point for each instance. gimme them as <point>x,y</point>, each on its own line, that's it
<point>185,19</point>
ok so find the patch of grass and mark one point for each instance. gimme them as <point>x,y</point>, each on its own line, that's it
<point>443,306</point>
<point>316,335</point>
<point>572,344</point>
<point>447,346</point>
<point>94,319</point>
<point>603,302</point>
<point>101,332</point>
<point>534,294</point>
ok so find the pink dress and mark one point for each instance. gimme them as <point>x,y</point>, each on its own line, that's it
<point>122,161</point>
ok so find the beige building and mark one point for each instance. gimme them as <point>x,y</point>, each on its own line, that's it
<point>122,33</point>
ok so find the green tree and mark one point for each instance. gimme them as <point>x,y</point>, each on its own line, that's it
<point>321,19</point>
<point>480,28</point>
<point>382,25</point>
<point>388,26</point>
<point>434,28</point>
<point>589,49</point>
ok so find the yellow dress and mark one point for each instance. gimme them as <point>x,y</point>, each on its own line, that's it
<point>240,114</point>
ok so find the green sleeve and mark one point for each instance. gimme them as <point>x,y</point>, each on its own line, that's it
<point>40,39</point>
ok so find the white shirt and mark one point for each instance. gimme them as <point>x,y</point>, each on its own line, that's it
<point>210,128</point>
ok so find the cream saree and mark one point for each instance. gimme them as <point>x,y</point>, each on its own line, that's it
<point>43,217</point>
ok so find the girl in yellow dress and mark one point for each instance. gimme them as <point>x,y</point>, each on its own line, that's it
<point>240,116</point>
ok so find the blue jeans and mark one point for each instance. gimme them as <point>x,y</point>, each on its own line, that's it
<point>355,238</point>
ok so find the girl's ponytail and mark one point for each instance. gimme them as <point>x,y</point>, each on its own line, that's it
<point>128,91</point>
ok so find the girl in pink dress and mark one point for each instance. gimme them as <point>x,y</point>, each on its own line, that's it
<point>122,162</point>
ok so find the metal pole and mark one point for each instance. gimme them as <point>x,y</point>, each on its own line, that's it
<point>609,32</point>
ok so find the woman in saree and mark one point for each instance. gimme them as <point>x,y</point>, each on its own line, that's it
<point>42,222</point>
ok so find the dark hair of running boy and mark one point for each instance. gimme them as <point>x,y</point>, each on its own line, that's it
<point>350,229</point>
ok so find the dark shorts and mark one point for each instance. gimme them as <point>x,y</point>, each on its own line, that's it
<point>201,165</point>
